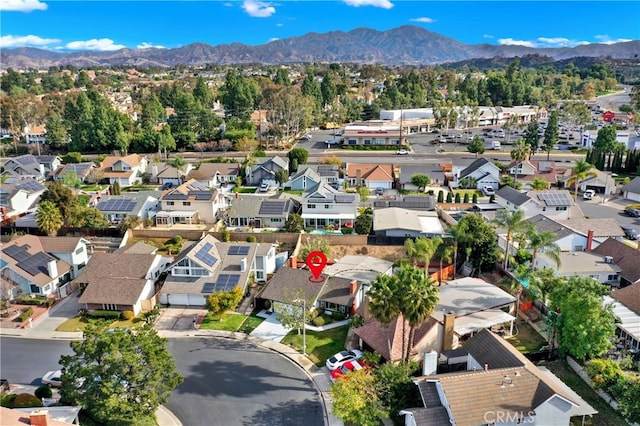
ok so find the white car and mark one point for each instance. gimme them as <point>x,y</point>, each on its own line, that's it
<point>488,190</point>
<point>340,358</point>
<point>588,194</point>
<point>52,378</point>
<point>402,152</point>
<point>264,187</point>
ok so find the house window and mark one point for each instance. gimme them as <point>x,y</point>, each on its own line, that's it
<point>109,307</point>
<point>259,275</point>
<point>311,206</point>
<point>170,203</point>
<point>34,289</point>
<point>79,250</point>
<point>276,220</point>
<point>561,208</point>
<point>380,142</point>
<point>343,308</point>
<point>331,306</point>
<point>367,141</point>
<point>186,203</point>
<point>613,277</point>
<point>395,141</point>
<point>352,142</point>
<point>327,206</point>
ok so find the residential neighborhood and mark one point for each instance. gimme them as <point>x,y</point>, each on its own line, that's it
<point>355,244</point>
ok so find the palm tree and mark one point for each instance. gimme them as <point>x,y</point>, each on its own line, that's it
<point>539,184</point>
<point>383,304</point>
<point>49,218</point>
<point>519,153</point>
<point>544,242</point>
<point>514,222</point>
<point>446,252</point>
<point>580,172</point>
<point>419,298</point>
<point>422,249</point>
<point>521,273</point>
<point>458,234</point>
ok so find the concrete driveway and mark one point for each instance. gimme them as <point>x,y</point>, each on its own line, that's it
<point>179,318</point>
<point>270,328</point>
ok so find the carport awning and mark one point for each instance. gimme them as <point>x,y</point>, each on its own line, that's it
<point>480,320</point>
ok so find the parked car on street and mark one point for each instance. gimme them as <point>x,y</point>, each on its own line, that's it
<point>264,187</point>
<point>340,358</point>
<point>402,152</point>
<point>588,194</point>
<point>52,378</point>
<point>629,232</point>
<point>632,212</point>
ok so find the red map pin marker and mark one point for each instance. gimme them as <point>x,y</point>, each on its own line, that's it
<point>316,261</point>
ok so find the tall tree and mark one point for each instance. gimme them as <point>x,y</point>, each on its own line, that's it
<point>356,401</point>
<point>476,146</point>
<point>62,197</point>
<point>479,241</point>
<point>543,242</point>
<point>422,249</point>
<point>551,133</point>
<point>531,137</point>
<point>520,152</point>
<point>384,303</point>
<point>513,222</point>
<point>421,181</point>
<point>580,171</point>
<point>119,376</point>
<point>48,218</point>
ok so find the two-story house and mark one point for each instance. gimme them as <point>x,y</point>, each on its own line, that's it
<point>143,204</point>
<point>126,170</point>
<point>26,268</point>
<point>259,212</point>
<point>80,171</point>
<point>308,176</point>
<point>528,170</point>
<point>189,203</point>
<point>555,204</point>
<point>479,173</point>
<point>265,172</point>
<point>19,197</point>
<point>25,167</point>
<point>324,206</point>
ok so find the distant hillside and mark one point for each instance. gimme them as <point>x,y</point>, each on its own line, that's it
<point>406,45</point>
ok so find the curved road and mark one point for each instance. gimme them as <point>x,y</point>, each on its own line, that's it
<point>227,382</point>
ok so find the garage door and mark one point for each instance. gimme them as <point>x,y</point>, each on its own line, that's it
<point>633,196</point>
<point>196,300</point>
<point>178,299</point>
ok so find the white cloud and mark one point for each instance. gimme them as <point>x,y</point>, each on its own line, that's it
<point>104,44</point>
<point>258,9</point>
<point>607,40</point>
<point>145,45</point>
<point>22,5</point>
<point>487,36</point>
<point>384,4</point>
<point>29,40</point>
<point>510,41</point>
<point>424,19</point>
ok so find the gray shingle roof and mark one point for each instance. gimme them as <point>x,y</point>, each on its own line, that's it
<point>633,186</point>
<point>475,165</point>
<point>513,196</point>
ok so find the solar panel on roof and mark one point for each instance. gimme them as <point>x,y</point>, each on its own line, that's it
<point>226,282</point>
<point>344,198</point>
<point>555,199</point>
<point>17,253</point>
<point>175,196</point>
<point>35,264</point>
<point>238,250</point>
<point>204,255</point>
<point>30,185</point>
<point>117,204</point>
<point>272,207</point>
<point>201,195</point>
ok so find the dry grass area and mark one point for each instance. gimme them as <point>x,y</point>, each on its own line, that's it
<point>390,253</point>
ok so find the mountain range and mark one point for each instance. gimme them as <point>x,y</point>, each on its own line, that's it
<point>406,45</point>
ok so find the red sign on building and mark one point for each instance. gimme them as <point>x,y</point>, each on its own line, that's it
<point>608,116</point>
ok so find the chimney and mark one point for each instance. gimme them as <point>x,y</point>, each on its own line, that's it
<point>447,332</point>
<point>430,364</point>
<point>39,417</point>
<point>486,367</point>
<point>589,240</point>
<point>358,177</point>
<point>52,268</point>
<point>353,287</point>
<point>243,264</point>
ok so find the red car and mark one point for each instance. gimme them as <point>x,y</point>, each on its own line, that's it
<point>345,368</point>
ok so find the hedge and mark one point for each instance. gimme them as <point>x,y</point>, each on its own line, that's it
<point>38,300</point>
<point>99,313</point>
<point>26,314</point>
<point>26,400</point>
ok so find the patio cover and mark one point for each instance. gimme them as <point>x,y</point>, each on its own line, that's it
<point>479,320</point>
<point>175,214</point>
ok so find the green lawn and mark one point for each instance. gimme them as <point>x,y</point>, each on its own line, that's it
<point>79,323</point>
<point>250,323</point>
<point>320,345</point>
<point>244,190</point>
<point>606,416</point>
<point>227,322</point>
<point>528,339</point>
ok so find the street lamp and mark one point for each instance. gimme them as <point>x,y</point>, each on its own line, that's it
<point>304,328</point>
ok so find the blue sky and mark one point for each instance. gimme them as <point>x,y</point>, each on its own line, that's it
<point>112,25</point>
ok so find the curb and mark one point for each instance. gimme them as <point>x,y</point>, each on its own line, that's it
<point>164,417</point>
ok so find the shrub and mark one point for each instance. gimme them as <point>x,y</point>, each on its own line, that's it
<point>603,372</point>
<point>26,314</point>
<point>338,316</point>
<point>8,399</point>
<point>26,400</point>
<point>44,392</point>
<point>346,230</point>
<point>318,321</point>
<point>99,314</point>
<point>28,300</point>
<point>226,236</point>
<point>251,239</point>
<point>308,229</point>
<point>127,315</point>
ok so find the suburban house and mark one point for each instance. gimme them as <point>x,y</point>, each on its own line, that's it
<point>373,133</point>
<point>36,134</point>
<point>631,191</point>
<point>26,167</point>
<point>126,171</point>
<point>583,264</point>
<point>333,294</point>
<point>19,197</point>
<point>50,163</point>
<point>409,202</point>
<point>494,384</point>
<point>466,306</point>
<point>265,172</point>
<point>555,204</point>
<point>625,257</point>
<point>250,211</point>
<point>124,280</point>
<point>209,266</point>
<point>479,173</point>
<point>213,175</point>
<point>578,234</point>
<point>81,171</point>
<point>372,176</point>
<point>435,172</point>
<point>601,183</point>
<point>167,175</point>
<point>324,206</point>
<point>308,176</point>
<point>143,204</point>
<point>528,170</point>
<point>189,203</point>
<point>626,307</point>
<point>398,222</point>
<point>361,268</point>
<point>73,250</point>
<point>26,268</point>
